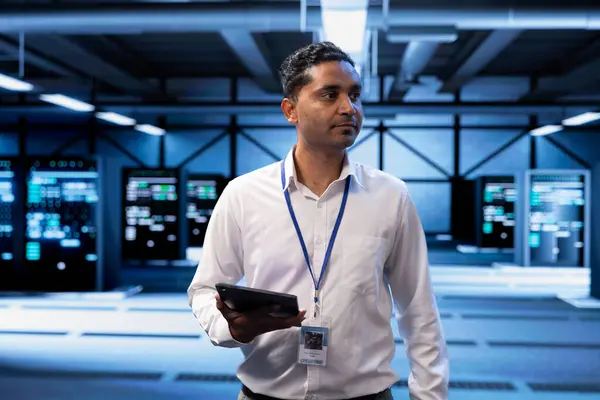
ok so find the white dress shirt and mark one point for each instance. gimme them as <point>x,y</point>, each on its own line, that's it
<point>380,246</point>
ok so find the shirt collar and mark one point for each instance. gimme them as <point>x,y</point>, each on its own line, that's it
<point>349,169</point>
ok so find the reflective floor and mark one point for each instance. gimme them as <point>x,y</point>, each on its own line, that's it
<point>517,345</point>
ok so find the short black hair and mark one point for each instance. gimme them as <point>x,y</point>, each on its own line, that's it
<point>293,70</point>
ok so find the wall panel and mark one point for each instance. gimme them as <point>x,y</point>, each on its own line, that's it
<point>9,144</point>
<point>367,152</point>
<point>433,205</point>
<point>401,162</point>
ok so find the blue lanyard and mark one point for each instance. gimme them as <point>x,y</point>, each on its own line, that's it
<point>333,234</point>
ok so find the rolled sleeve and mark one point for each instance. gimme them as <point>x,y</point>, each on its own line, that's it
<point>419,321</point>
<point>221,261</point>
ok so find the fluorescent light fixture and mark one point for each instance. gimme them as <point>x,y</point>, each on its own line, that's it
<point>546,130</point>
<point>345,29</point>
<point>421,34</point>
<point>116,118</point>
<point>150,129</point>
<point>581,119</point>
<point>13,84</point>
<point>67,102</point>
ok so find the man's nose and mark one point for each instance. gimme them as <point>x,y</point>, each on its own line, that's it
<point>346,106</point>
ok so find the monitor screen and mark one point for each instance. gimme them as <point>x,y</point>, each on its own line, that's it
<point>7,199</point>
<point>151,214</point>
<point>202,195</point>
<point>61,228</point>
<point>556,219</point>
<point>498,197</point>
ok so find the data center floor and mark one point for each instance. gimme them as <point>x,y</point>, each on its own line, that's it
<point>503,344</point>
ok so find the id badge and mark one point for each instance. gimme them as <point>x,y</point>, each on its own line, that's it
<point>314,339</point>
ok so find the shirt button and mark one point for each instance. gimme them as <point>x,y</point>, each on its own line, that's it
<point>319,205</point>
<point>319,241</point>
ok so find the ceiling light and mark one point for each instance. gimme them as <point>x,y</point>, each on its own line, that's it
<point>150,129</point>
<point>116,118</point>
<point>546,130</point>
<point>13,84</point>
<point>581,119</point>
<point>67,102</point>
<point>345,29</point>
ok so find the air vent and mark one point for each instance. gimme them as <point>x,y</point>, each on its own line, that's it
<point>161,310</point>
<point>147,376</point>
<point>471,385</point>
<point>516,317</point>
<point>499,298</point>
<point>206,378</point>
<point>449,342</point>
<point>496,386</point>
<point>43,333</point>
<point>140,335</point>
<point>70,308</point>
<point>563,387</point>
<point>589,346</point>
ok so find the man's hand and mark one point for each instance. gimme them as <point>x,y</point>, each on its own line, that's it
<point>244,327</point>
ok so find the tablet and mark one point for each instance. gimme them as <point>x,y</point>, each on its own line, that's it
<point>244,299</point>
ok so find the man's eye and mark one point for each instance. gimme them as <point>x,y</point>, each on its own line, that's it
<point>329,95</point>
<point>355,96</point>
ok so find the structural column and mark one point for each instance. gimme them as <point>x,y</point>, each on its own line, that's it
<point>595,236</point>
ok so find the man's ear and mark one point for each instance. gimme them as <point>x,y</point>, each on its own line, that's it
<point>289,110</point>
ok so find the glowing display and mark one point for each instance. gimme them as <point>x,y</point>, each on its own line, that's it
<point>202,195</point>
<point>7,198</point>
<point>151,215</point>
<point>499,195</point>
<point>556,219</point>
<point>60,222</point>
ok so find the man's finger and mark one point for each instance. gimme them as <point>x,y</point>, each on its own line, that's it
<point>220,304</point>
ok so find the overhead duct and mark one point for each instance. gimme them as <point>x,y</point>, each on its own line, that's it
<point>423,42</point>
<point>142,17</point>
<point>415,59</point>
<point>491,18</point>
<point>265,17</point>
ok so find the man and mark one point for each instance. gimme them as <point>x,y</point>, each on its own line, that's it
<point>316,211</point>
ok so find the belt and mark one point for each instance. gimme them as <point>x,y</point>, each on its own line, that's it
<point>254,396</point>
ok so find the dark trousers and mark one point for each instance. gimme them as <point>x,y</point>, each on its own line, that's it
<point>247,394</point>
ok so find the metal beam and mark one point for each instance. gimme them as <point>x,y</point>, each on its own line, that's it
<point>372,110</point>
<point>81,59</point>
<point>568,152</point>
<point>416,152</point>
<point>11,47</point>
<point>254,54</point>
<point>487,51</point>
<point>258,144</point>
<point>495,153</point>
<point>200,127</point>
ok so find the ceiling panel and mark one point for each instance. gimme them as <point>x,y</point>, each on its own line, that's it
<point>282,44</point>
<point>539,51</point>
<point>189,54</point>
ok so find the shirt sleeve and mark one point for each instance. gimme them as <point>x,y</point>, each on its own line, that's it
<point>221,261</point>
<point>419,320</point>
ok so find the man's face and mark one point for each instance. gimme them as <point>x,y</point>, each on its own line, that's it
<point>328,111</point>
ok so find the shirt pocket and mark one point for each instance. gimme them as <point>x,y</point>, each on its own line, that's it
<point>363,260</point>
